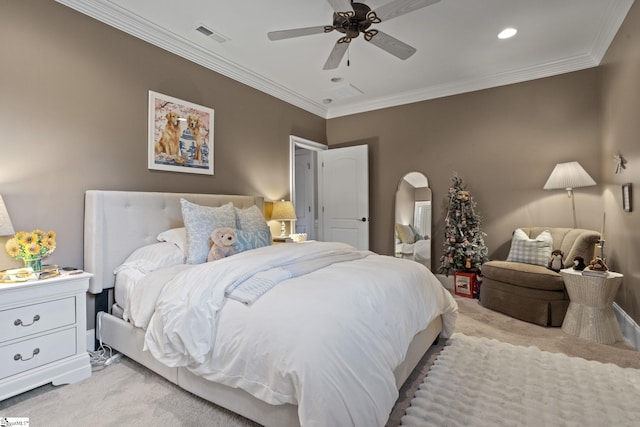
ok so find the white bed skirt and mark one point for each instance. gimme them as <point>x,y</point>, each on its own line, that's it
<point>129,340</point>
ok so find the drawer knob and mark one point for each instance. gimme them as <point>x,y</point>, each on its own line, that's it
<point>19,356</point>
<point>18,322</point>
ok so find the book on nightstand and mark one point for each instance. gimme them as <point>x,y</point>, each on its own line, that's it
<point>15,275</point>
<point>280,239</point>
<point>594,273</point>
<point>48,270</point>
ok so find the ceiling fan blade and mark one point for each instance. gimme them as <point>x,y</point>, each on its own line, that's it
<point>397,8</point>
<point>392,45</point>
<point>336,55</point>
<point>341,6</point>
<point>298,32</point>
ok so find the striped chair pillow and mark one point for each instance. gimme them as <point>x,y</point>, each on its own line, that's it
<point>531,251</point>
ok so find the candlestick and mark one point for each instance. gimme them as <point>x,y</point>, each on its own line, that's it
<point>601,246</point>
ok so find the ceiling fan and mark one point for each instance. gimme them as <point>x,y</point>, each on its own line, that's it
<point>352,19</point>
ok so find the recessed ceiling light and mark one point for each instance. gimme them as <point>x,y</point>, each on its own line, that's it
<point>507,33</point>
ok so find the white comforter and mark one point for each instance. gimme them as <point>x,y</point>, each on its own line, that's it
<point>328,340</point>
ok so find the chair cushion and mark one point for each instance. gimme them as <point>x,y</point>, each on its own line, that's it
<point>524,275</point>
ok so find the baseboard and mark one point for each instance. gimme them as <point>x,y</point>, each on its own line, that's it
<point>91,340</point>
<point>628,326</point>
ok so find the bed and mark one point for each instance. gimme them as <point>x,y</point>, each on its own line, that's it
<point>315,312</point>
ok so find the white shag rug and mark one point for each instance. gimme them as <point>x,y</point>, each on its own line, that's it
<point>485,382</point>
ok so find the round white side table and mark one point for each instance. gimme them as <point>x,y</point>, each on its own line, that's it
<point>590,314</point>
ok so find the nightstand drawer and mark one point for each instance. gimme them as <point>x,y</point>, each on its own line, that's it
<point>30,319</point>
<point>35,352</point>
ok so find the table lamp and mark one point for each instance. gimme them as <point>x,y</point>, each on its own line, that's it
<point>568,176</point>
<point>283,211</point>
<point>6,227</point>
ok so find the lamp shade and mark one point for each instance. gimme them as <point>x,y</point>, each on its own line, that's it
<point>568,175</point>
<point>6,227</point>
<point>283,211</point>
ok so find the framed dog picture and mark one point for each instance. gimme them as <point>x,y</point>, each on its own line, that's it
<point>180,135</point>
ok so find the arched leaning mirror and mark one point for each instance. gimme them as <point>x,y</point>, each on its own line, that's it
<point>412,233</point>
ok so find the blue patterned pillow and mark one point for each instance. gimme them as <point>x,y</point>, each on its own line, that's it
<point>252,239</point>
<point>199,222</point>
<point>250,219</point>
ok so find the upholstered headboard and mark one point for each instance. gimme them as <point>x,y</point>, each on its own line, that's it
<point>118,222</point>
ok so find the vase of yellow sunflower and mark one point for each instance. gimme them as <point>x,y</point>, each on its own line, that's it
<point>31,247</point>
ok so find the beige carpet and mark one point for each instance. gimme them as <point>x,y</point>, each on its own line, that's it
<point>151,400</point>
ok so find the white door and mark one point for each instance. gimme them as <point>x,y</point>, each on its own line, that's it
<point>305,172</point>
<point>344,195</point>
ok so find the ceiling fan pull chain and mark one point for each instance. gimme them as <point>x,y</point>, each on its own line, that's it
<point>349,56</point>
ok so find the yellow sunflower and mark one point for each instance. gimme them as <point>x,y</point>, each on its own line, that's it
<point>13,248</point>
<point>30,239</point>
<point>49,243</point>
<point>21,235</point>
<point>34,244</point>
<point>33,249</point>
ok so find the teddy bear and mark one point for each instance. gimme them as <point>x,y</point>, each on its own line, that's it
<point>555,263</point>
<point>598,264</point>
<point>578,263</point>
<point>222,240</point>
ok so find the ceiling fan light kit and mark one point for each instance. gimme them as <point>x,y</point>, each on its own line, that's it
<point>353,19</point>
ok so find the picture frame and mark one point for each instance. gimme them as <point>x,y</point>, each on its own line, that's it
<point>180,135</point>
<point>627,199</point>
<point>463,284</point>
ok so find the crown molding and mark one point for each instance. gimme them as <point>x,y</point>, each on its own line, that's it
<point>140,28</point>
<point>111,14</point>
<point>463,86</point>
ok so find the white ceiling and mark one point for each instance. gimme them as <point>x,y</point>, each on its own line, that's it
<point>456,40</point>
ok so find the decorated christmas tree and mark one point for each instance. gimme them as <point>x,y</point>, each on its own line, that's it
<point>463,247</point>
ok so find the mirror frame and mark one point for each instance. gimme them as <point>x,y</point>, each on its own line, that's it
<point>403,178</point>
<point>296,141</point>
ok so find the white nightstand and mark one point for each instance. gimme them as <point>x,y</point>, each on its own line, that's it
<point>43,333</point>
<point>590,314</point>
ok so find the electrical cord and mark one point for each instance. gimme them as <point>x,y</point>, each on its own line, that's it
<point>104,355</point>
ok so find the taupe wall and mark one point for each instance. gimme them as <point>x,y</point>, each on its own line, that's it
<point>503,142</point>
<point>620,71</point>
<point>73,116</point>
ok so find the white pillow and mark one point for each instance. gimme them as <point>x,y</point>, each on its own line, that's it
<point>151,257</point>
<point>531,251</point>
<point>199,222</point>
<point>405,233</point>
<point>142,261</point>
<point>177,236</point>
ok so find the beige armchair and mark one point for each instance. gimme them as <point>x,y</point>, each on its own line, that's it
<point>534,293</point>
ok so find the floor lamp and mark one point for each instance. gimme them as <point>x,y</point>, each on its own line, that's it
<point>567,176</point>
